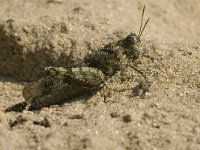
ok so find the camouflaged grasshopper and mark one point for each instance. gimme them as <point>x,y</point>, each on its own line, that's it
<point>60,84</point>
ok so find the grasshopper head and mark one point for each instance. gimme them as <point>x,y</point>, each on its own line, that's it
<point>132,43</point>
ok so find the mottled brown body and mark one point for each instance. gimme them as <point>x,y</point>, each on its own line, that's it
<point>60,84</point>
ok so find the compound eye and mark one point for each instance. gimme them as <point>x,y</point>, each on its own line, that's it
<point>136,39</point>
<point>52,71</point>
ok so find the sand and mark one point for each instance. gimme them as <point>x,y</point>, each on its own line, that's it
<point>39,33</point>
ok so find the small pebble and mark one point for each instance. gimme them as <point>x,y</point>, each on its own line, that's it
<point>44,123</point>
<point>127,118</point>
<point>115,114</point>
<point>77,116</point>
<point>19,120</point>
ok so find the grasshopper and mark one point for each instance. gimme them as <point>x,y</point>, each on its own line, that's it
<point>61,84</point>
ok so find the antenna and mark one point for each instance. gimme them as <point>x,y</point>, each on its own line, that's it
<point>141,22</point>
<point>141,19</point>
<point>144,27</point>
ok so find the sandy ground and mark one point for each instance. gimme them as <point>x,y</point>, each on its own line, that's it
<point>39,33</point>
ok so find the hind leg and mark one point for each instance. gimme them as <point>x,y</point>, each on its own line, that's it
<point>45,101</point>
